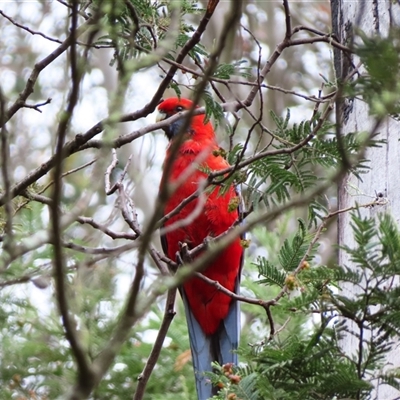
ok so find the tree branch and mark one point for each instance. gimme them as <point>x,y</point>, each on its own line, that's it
<point>169,314</point>
<point>85,374</point>
<point>189,45</point>
<point>41,65</point>
<point>5,174</point>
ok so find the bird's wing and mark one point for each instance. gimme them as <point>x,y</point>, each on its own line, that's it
<point>229,332</point>
<point>217,347</point>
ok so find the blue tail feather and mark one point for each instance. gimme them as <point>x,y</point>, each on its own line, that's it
<point>210,348</point>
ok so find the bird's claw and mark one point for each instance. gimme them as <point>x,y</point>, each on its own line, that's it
<point>207,240</point>
<point>183,255</point>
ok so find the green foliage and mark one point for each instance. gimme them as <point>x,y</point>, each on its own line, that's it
<point>377,256</point>
<point>174,368</point>
<point>289,258</point>
<point>34,337</point>
<point>33,358</point>
<point>225,71</point>
<point>213,108</point>
<point>380,87</point>
<point>271,274</point>
<point>173,85</point>
<point>137,30</point>
<point>284,171</point>
<point>306,367</point>
<point>273,179</point>
<point>310,364</point>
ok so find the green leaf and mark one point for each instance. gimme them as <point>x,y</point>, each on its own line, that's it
<point>213,108</point>
<point>270,273</point>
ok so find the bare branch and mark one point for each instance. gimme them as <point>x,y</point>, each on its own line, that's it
<point>41,65</point>
<point>85,373</point>
<point>180,206</point>
<point>288,21</point>
<point>71,171</point>
<point>25,28</point>
<point>107,176</point>
<point>5,173</point>
<point>106,230</point>
<point>326,39</point>
<point>169,314</point>
<point>99,250</point>
<point>160,260</point>
<point>16,281</point>
<point>82,219</point>
<point>134,17</point>
<point>36,106</point>
<point>189,45</point>
<point>198,209</point>
<point>130,216</point>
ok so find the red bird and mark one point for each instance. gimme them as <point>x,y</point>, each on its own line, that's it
<point>212,316</point>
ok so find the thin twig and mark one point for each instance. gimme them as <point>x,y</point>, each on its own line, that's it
<point>160,260</point>
<point>169,314</point>
<point>16,281</point>
<point>135,18</point>
<point>197,210</point>
<point>106,230</point>
<point>107,175</point>
<point>36,106</point>
<point>31,31</point>
<point>71,171</point>
<point>180,206</point>
<point>130,216</point>
<point>41,65</point>
<point>99,250</point>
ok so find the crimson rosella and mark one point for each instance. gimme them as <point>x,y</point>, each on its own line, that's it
<point>212,316</point>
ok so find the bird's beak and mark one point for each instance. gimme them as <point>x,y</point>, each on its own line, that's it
<point>161,116</point>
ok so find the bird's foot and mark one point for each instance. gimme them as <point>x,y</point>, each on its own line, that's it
<point>183,255</point>
<point>207,240</point>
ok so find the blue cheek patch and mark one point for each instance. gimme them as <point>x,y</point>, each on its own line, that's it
<point>174,128</point>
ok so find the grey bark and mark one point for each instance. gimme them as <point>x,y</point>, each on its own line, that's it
<point>373,17</point>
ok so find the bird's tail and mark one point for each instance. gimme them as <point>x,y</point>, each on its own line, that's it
<point>206,349</point>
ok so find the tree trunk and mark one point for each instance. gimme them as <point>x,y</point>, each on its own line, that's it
<point>373,17</point>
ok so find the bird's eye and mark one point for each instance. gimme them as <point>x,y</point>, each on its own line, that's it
<point>179,108</point>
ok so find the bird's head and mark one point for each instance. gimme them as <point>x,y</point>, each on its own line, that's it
<point>174,105</point>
